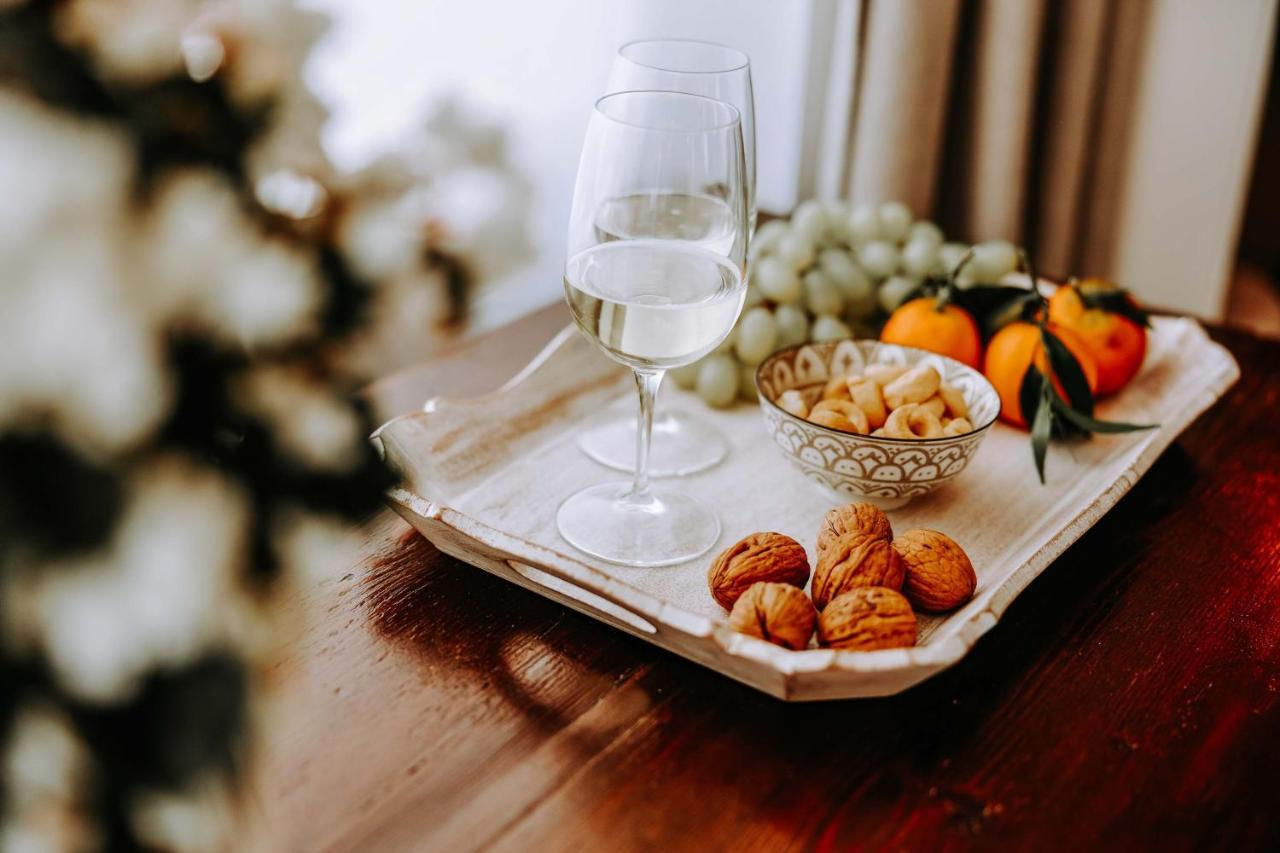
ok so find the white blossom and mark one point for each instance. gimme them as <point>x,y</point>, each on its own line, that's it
<point>160,592</point>
<point>200,819</point>
<point>56,169</point>
<point>219,274</point>
<point>309,421</point>
<point>45,772</point>
<point>315,548</point>
<point>135,41</point>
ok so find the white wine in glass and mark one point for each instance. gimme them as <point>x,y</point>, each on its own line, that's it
<point>654,302</point>
<point>682,443</point>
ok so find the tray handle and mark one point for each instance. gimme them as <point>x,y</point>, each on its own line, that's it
<point>606,608</point>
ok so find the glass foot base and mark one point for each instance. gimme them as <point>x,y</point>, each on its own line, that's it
<point>681,445</point>
<point>667,528</point>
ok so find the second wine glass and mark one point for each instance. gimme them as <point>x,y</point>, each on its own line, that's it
<point>682,444</point>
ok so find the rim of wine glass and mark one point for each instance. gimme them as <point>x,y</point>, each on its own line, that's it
<point>735,117</point>
<point>744,61</point>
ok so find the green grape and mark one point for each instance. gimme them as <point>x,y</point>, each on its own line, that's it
<point>796,249</point>
<point>718,380</point>
<point>895,221</point>
<point>793,325</point>
<point>864,223</point>
<point>992,260</point>
<point>757,252</point>
<point>686,376</point>
<point>855,285</point>
<point>821,296</point>
<point>810,220</point>
<point>757,336</point>
<point>828,328</point>
<point>747,383</point>
<point>726,346</point>
<point>949,254</point>
<point>925,231</point>
<point>879,258</point>
<point>894,290</point>
<point>919,257</point>
<point>776,280</point>
<point>767,236</point>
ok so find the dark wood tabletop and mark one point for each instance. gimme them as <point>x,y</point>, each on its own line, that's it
<point>1130,697</point>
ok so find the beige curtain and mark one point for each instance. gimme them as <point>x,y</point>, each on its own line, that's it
<point>1016,119</point>
<point>997,117</point>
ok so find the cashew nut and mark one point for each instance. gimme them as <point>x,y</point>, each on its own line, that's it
<point>957,426</point>
<point>956,406</point>
<point>837,388</point>
<point>883,374</point>
<point>915,386</point>
<point>866,395</point>
<point>840,414</point>
<point>934,404</point>
<point>793,401</point>
<point>911,421</point>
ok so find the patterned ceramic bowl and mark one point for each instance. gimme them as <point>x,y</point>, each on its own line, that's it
<point>885,471</point>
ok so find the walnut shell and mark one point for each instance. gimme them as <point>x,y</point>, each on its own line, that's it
<point>867,618</point>
<point>759,557</point>
<point>855,559</point>
<point>852,518</point>
<point>777,612</point>
<point>939,573</point>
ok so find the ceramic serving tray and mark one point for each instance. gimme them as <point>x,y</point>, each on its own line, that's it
<point>482,478</point>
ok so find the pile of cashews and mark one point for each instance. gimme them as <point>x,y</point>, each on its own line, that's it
<point>887,401</point>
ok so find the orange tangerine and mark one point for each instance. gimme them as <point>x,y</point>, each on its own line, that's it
<point>949,331</point>
<point>1011,353</point>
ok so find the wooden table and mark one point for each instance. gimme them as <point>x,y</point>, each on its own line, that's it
<point>1129,698</point>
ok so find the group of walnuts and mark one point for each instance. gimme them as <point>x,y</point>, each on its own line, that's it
<point>865,582</point>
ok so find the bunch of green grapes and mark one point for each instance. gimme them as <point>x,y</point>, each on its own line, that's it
<point>831,272</point>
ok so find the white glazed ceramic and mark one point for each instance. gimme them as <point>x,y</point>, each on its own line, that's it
<point>886,471</point>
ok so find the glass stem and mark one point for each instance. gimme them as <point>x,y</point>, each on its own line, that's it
<point>647,382</point>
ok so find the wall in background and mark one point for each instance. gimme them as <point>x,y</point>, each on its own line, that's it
<point>538,67</point>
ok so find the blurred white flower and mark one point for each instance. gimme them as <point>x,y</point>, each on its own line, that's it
<point>480,214</point>
<point>269,41</point>
<point>217,273</point>
<point>46,769</point>
<point>404,324</point>
<point>203,54</point>
<point>74,346</point>
<point>292,194</point>
<point>380,238</point>
<point>159,594</point>
<point>310,422</point>
<point>200,819</point>
<point>44,758</point>
<point>135,41</point>
<point>57,169</point>
<point>315,548</point>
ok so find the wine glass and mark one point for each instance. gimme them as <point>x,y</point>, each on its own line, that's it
<point>653,300</point>
<point>682,444</point>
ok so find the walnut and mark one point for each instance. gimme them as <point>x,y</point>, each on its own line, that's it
<point>867,618</point>
<point>939,574</point>
<point>759,557</point>
<point>777,612</point>
<point>852,560</point>
<point>852,518</point>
